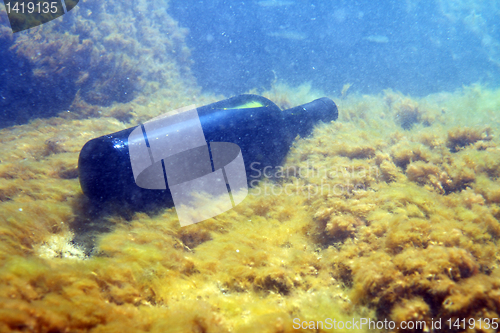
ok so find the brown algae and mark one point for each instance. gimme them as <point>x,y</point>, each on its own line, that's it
<point>373,219</point>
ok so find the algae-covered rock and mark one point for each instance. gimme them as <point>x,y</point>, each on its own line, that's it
<point>95,55</point>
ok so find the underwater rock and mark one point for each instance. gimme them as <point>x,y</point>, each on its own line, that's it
<point>100,57</point>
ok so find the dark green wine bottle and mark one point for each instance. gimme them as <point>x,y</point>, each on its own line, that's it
<point>262,131</point>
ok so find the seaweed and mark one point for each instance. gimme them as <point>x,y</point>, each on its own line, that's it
<point>377,222</point>
<point>459,138</point>
<point>91,57</point>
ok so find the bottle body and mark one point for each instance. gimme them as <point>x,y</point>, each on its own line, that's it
<point>262,131</point>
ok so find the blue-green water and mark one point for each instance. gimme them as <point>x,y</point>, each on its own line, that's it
<point>416,47</point>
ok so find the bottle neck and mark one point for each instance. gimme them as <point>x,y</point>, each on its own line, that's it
<point>300,120</point>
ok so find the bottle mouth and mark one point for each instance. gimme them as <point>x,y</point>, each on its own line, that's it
<point>331,111</point>
<point>323,109</point>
